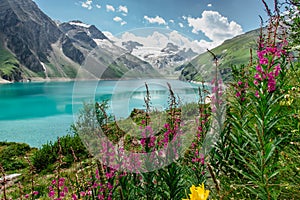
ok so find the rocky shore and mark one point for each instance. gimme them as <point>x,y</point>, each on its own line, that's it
<point>3,81</point>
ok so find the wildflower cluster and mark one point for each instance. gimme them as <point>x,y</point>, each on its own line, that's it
<point>196,159</point>
<point>58,189</point>
<point>116,157</point>
<point>217,92</point>
<point>148,138</point>
<point>34,193</point>
<point>268,69</point>
<point>269,66</point>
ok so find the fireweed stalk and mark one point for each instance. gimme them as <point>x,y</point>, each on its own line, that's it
<point>214,137</point>
<point>241,82</point>
<point>32,172</point>
<point>57,189</point>
<point>167,145</point>
<point>194,157</point>
<point>271,53</point>
<point>253,124</point>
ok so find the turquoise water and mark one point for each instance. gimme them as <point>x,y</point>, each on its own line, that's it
<point>35,113</point>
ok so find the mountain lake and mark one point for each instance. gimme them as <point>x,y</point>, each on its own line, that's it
<point>39,112</point>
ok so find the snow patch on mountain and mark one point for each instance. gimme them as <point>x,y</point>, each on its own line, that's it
<point>104,43</point>
<point>81,24</point>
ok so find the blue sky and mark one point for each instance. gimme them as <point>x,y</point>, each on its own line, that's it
<point>208,20</point>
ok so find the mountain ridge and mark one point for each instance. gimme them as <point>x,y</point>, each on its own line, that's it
<point>33,46</point>
<point>234,51</point>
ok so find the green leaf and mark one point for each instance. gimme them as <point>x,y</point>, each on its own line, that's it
<point>274,174</point>
<point>269,150</point>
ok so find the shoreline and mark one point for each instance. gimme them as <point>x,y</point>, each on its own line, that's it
<point>42,80</point>
<point>3,81</point>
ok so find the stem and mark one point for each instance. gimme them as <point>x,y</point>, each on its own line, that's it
<point>260,135</point>
<point>216,182</point>
<point>58,167</point>
<point>267,8</point>
<point>251,57</point>
<point>147,104</point>
<point>121,193</point>
<point>20,190</point>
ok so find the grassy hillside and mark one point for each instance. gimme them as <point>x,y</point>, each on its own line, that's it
<point>234,51</point>
<point>8,64</point>
<point>12,156</point>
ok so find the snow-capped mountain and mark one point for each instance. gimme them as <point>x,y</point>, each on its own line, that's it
<point>102,52</point>
<point>164,52</point>
<point>169,57</point>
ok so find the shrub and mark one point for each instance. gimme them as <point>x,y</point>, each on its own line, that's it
<point>12,155</point>
<point>47,155</point>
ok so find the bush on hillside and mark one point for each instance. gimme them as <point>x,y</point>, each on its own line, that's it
<point>46,157</point>
<point>12,155</point>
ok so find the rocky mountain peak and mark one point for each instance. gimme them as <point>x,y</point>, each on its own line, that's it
<point>27,32</point>
<point>77,25</point>
<point>34,45</point>
<point>131,45</point>
<point>170,48</point>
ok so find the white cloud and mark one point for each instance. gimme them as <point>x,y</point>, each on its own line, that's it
<point>181,25</point>
<point>157,19</point>
<point>209,5</point>
<point>110,8</point>
<point>118,19</point>
<point>157,40</point>
<point>215,26</point>
<point>153,40</point>
<point>172,21</point>
<point>87,4</point>
<point>184,42</point>
<point>98,6</point>
<point>123,9</point>
<point>184,17</point>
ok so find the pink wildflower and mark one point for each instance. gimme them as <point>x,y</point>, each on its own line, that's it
<point>257,76</point>
<point>277,69</point>
<point>259,68</point>
<point>74,197</point>
<point>51,194</point>
<point>271,85</point>
<point>257,94</point>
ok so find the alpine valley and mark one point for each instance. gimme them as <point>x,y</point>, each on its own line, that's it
<point>35,47</point>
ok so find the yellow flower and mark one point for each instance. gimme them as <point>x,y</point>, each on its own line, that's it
<point>198,193</point>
